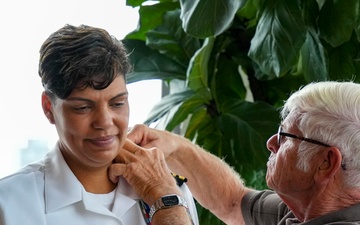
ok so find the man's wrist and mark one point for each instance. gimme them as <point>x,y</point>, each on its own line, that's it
<point>167,201</point>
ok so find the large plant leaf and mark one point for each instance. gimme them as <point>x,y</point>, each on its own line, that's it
<point>342,61</point>
<point>186,109</point>
<point>310,11</point>
<point>244,128</point>
<point>166,104</point>
<point>249,125</point>
<point>196,124</point>
<point>249,11</point>
<point>277,91</point>
<point>197,73</point>
<point>227,82</point>
<point>278,39</point>
<point>357,27</point>
<point>150,16</point>
<point>150,64</point>
<point>206,18</point>
<point>313,59</point>
<point>239,136</point>
<point>135,3</point>
<point>170,39</point>
<point>337,20</point>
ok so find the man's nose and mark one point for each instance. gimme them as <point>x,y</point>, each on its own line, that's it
<point>272,144</point>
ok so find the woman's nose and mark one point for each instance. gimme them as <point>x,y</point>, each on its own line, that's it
<point>103,118</point>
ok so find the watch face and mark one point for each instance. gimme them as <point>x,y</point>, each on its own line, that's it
<point>170,200</point>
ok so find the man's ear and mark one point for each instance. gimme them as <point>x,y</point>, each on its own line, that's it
<point>46,105</point>
<point>330,163</point>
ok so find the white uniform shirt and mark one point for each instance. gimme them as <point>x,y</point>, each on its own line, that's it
<point>47,192</point>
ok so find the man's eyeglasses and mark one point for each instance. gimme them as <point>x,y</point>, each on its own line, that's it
<point>280,133</point>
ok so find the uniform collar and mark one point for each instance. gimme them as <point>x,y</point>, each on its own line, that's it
<point>62,188</point>
<point>125,198</point>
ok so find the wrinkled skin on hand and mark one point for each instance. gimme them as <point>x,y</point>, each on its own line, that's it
<point>145,170</point>
<point>145,137</point>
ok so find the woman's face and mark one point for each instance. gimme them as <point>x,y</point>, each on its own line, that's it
<point>91,124</point>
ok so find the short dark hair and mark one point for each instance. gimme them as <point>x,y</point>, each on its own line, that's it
<point>80,57</point>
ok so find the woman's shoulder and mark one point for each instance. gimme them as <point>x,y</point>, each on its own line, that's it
<point>21,177</point>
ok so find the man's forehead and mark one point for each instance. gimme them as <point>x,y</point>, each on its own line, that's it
<point>290,121</point>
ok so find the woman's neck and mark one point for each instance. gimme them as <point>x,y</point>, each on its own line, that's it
<point>94,180</point>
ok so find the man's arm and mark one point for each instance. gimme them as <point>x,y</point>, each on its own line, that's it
<point>214,184</point>
<point>147,173</point>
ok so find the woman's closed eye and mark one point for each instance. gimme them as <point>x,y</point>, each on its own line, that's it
<point>82,109</point>
<point>118,104</point>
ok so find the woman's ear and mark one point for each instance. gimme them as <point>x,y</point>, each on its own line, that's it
<point>46,105</point>
<point>331,159</point>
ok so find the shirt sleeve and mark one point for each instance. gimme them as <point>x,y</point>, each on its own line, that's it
<point>264,208</point>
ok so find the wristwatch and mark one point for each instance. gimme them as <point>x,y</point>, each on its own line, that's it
<point>167,201</point>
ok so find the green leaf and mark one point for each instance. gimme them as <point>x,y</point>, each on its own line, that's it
<point>357,26</point>
<point>166,104</point>
<point>279,36</point>
<point>248,124</point>
<point>239,136</point>
<point>151,16</point>
<point>210,138</point>
<point>310,12</point>
<point>337,20</point>
<point>198,67</point>
<point>149,64</point>
<point>227,82</point>
<point>256,114</point>
<point>186,109</point>
<point>170,39</point>
<point>206,18</point>
<point>313,58</point>
<point>277,91</point>
<point>249,10</point>
<point>198,120</point>
<point>342,61</point>
<point>135,3</point>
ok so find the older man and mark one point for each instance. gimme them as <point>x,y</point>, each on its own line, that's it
<point>313,169</point>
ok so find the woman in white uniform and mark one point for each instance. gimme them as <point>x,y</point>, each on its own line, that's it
<point>83,71</point>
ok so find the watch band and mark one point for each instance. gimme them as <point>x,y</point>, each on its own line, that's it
<point>167,201</point>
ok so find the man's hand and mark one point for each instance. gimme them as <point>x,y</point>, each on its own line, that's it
<point>145,170</point>
<point>213,183</point>
<point>147,137</point>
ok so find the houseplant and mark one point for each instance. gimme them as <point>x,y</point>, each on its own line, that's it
<point>230,64</point>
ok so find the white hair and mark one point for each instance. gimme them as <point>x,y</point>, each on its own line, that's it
<point>329,112</point>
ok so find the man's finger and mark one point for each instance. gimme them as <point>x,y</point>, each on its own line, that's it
<point>125,156</point>
<point>116,170</point>
<point>131,146</point>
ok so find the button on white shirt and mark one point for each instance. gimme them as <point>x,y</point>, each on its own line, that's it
<point>47,192</point>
